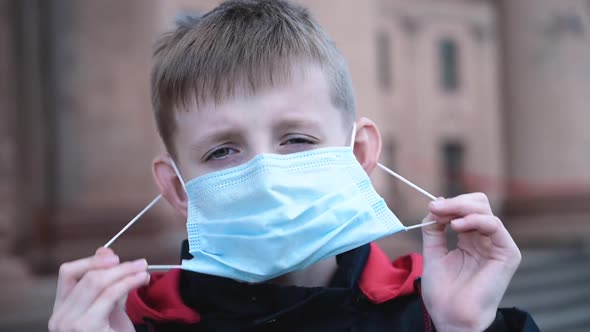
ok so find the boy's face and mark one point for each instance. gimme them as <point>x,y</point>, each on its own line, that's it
<point>295,117</point>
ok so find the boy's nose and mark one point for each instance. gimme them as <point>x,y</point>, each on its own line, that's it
<point>259,145</point>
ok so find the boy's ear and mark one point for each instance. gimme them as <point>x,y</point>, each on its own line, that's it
<point>367,144</point>
<point>169,183</point>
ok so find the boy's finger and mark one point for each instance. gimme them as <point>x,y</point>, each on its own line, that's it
<point>475,203</point>
<point>442,220</point>
<point>490,226</point>
<point>434,240</point>
<point>104,251</point>
<point>71,272</point>
<point>108,299</point>
<point>96,282</point>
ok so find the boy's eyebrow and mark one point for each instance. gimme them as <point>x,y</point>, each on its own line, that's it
<point>215,136</point>
<point>235,133</point>
<point>290,123</point>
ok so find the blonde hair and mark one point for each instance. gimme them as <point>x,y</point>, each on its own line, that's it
<point>247,44</point>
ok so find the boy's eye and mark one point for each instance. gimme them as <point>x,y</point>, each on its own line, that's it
<point>220,153</point>
<point>297,140</point>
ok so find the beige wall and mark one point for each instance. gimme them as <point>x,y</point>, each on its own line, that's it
<point>548,95</point>
<point>102,94</point>
<point>420,116</point>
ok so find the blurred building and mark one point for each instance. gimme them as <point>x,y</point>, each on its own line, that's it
<point>470,95</point>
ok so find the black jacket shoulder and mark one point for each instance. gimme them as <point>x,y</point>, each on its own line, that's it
<point>402,314</point>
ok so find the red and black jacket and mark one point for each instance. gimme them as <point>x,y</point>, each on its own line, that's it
<point>367,293</point>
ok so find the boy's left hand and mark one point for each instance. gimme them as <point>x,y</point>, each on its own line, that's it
<point>462,288</point>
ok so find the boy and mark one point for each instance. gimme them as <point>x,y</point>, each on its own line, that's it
<point>241,95</point>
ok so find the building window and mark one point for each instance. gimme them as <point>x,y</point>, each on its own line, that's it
<point>449,65</point>
<point>453,169</point>
<point>384,61</point>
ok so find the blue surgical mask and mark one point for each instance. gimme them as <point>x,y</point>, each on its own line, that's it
<point>280,213</point>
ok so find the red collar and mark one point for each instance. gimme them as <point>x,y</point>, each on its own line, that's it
<point>380,281</point>
<point>383,280</point>
<point>160,301</point>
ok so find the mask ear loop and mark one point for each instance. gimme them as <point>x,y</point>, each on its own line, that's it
<point>170,267</point>
<point>140,214</point>
<point>136,218</point>
<point>406,181</point>
<point>401,178</point>
<point>129,224</point>
<point>413,186</point>
<point>353,135</point>
<point>177,171</point>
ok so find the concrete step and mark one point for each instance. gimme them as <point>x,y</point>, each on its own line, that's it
<point>546,275</point>
<point>566,318</point>
<point>553,286</point>
<point>547,300</point>
<point>540,258</point>
<point>571,230</point>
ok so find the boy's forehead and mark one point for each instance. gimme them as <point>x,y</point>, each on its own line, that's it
<point>304,100</point>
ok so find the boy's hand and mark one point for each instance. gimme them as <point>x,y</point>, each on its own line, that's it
<point>89,291</point>
<point>462,288</point>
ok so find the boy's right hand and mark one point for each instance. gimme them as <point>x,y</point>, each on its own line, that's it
<point>89,292</point>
